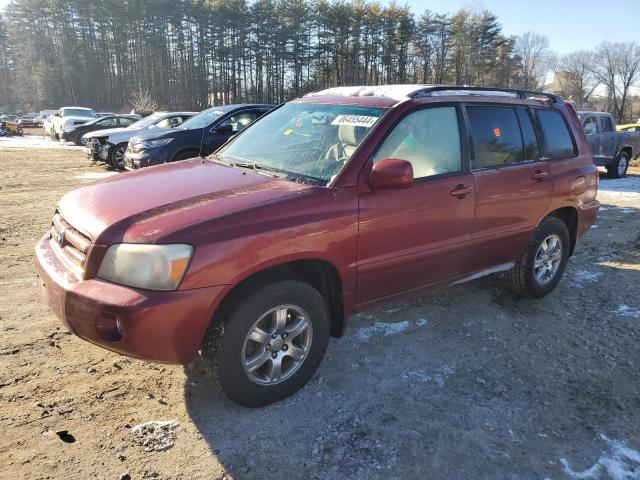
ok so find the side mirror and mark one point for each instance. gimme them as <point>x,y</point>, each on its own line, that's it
<point>391,174</point>
<point>225,128</point>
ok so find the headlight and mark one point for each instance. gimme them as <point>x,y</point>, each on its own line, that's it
<point>152,267</point>
<point>145,145</point>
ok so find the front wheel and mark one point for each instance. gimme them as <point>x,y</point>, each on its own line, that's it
<point>269,344</point>
<point>541,267</point>
<point>618,169</point>
<point>116,156</point>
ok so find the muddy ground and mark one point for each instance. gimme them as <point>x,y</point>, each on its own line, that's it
<point>466,382</point>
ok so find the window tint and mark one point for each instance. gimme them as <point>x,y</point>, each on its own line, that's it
<point>531,149</point>
<point>556,139</point>
<point>496,136</point>
<point>605,123</point>
<point>108,122</point>
<point>590,125</point>
<point>429,139</point>
<point>169,122</point>
<point>125,121</point>
<point>240,121</point>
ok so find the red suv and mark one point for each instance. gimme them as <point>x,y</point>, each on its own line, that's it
<point>329,204</point>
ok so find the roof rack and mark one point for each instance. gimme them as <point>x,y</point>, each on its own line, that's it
<point>519,93</point>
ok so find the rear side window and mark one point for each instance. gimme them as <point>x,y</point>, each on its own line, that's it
<point>531,149</point>
<point>496,136</point>
<point>428,138</point>
<point>556,139</point>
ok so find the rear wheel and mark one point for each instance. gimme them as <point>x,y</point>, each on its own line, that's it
<point>541,267</point>
<point>116,156</point>
<point>269,344</point>
<point>618,169</point>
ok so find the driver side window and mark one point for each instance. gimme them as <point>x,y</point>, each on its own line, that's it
<point>240,121</point>
<point>590,125</point>
<point>428,138</point>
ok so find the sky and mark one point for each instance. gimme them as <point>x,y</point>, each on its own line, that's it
<point>569,24</point>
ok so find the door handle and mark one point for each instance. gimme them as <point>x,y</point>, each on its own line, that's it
<point>540,175</point>
<point>460,191</point>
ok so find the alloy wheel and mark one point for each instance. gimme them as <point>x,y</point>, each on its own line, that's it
<point>548,259</point>
<point>277,345</point>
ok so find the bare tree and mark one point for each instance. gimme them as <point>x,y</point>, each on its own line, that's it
<point>536,59</point>
<point>142,101</point>
<point>575,77</point>
<point>617,66</point>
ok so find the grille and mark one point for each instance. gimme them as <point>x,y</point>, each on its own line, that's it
<point>71,245</point>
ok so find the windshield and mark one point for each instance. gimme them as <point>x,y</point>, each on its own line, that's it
<point>145,122</point>
<point>203,119</point>
<point>77,112</point>
<point>309,141</point>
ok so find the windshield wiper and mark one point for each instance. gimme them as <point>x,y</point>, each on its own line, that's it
<point>256,167</point>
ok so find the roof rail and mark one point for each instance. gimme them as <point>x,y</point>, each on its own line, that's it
<point>519,93</point>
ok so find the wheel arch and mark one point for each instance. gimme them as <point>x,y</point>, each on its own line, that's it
<point>319,273</point>
<point>569,215</point>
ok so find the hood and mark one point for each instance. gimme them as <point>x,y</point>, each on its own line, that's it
<point>156,133</point>
<point>145,205</point>
<point>108,131</point>
<point>76,118</point>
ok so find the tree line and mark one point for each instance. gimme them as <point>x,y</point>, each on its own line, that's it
<point>188,54</point>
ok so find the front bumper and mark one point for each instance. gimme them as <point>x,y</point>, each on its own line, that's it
<point>69,136</point>
<point>159,326</point>
<point>145,158</point>
<point>96,152</point>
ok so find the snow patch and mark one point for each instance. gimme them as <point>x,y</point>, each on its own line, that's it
<point>580,277</point>
<point>627,311</point>
<point>155,435</point>
<point>34,141</point>
<point>619,463</point>
<point>422,322</point>
<point>627,188</point>
<point>424,376</point>
<point>94,175</point>
<point>381,329</point>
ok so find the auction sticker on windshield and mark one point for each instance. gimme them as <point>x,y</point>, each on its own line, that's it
<point>355,120</point>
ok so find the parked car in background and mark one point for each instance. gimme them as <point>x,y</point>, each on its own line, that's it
<point>42,116</point>
<point>611,149</point>
<point>329,204</point>
<point>629,127</point>
<point>8,117</point>
<point>68,117</point>
<point>106,114</point>
<point>76,133</point>
<point>200,135</point>
<point>28,122</point>
<point>110,145</point>
<point>47,125</point>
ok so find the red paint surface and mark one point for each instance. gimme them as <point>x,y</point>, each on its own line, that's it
<point>383,243</point>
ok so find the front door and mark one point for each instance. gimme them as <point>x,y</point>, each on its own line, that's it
<point>418,236</point>
<point>513,185</point>
<point>607,138</point>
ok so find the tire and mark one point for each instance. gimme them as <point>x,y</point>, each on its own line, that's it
<point>618,169</point>
<point>81,141</point>
<point>227,348</point>
<point>186,155</point>
<point>524,278</point>
<point>116,156</point>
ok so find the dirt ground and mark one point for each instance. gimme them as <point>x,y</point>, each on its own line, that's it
<point>466,382</point>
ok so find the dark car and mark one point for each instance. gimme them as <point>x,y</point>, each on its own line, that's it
<point>611,149</point>
<point>328,205</point>
<point>75,133</point>
<point>200,135</point>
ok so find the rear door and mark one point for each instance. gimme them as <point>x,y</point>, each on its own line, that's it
<point>512,180</point>
<point>607,139</point>
<point>421,235</point>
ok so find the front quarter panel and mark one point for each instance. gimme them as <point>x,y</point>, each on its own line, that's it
<point>320,225</point>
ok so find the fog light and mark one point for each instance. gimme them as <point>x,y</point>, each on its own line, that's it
<point>109,327</point>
